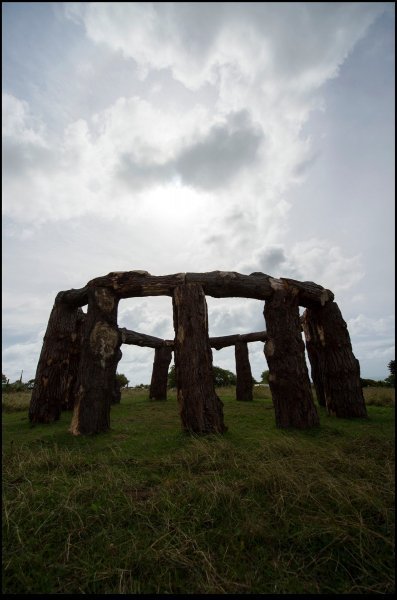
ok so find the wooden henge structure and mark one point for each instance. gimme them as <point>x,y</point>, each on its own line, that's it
<point>78,362</point>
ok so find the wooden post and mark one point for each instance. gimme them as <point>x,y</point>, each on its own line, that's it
<point>52,385</point>
<point>339,370</point>
<point>158,384</point>
<point>99,357</point>
<point>200,408</point>
<point>69,382</point>
<point>243,372</point>
<point>284,350</point>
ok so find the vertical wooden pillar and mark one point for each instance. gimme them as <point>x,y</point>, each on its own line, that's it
<point>99,357</point>
<point>284,350</point>
<point>69,381</point>
<point>158,384</point>
<point>61,341</point>
<point>339,370</point>
<point>243,372</point>
<point>200,408</point>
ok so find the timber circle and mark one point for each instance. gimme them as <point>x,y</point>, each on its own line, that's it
<point>78,361</point>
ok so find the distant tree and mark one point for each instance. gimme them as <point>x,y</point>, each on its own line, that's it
<point>171,382</point>
<point>390,380</point>
<point>265,377</point>
<point>3,378</point>
<point>222,377</point>
<point>122,380</point>
<point>16,386</point>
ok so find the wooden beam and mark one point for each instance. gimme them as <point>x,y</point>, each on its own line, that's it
<point>219,284</point>
<point>231,340</point>
<point>135,338</point>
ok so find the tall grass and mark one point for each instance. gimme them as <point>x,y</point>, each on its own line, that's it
<point>148,509</point>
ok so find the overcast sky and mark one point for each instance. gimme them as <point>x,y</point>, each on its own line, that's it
<point>175,137</point>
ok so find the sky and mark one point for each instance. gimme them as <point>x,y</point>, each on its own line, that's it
<point>175,137</point>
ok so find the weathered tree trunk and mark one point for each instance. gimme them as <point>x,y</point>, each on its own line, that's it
<point>243,372</point>
<point>315,353</point>
<point>339,370</point>
<point>158,384</point>
<point>99,357</point>
<point>284,350</point>
<point>70,380</point>
<point>52,384</point>
<point>200,408</point>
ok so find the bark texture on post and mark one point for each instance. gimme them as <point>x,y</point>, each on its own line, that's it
<point>70,381</point>
<point>284,350</point>
<point>338,368</point>
<point>243,372</point>
<point>56,369</point>
<point>158,384</point>
<point>200,408</point>
<point>99,357</point>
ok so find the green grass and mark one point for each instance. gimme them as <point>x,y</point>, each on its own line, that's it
<point>146,508</point>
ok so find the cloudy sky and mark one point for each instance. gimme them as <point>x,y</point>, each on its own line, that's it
<point>192,136</point>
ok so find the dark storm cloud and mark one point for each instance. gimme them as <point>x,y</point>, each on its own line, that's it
<point>19,158</point>
<point>208,163</point>
<point>227,149</point>
<point>140,175</point>
<point>271,260</point>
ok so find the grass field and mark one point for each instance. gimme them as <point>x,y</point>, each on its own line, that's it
<point>145,508</point>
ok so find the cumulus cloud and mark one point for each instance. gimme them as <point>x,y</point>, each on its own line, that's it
<point>234,315</point>
<point>312,260</point>
<point>197,40</point>
<point>211,161</point>
<point>128,147</point>
<point>270,259</point>
<point>105,163</point>
<point>362,325</point>
<point>22,356</point>
<point>325,263</point>
<point>19,123</point>
<point>151,316</point>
